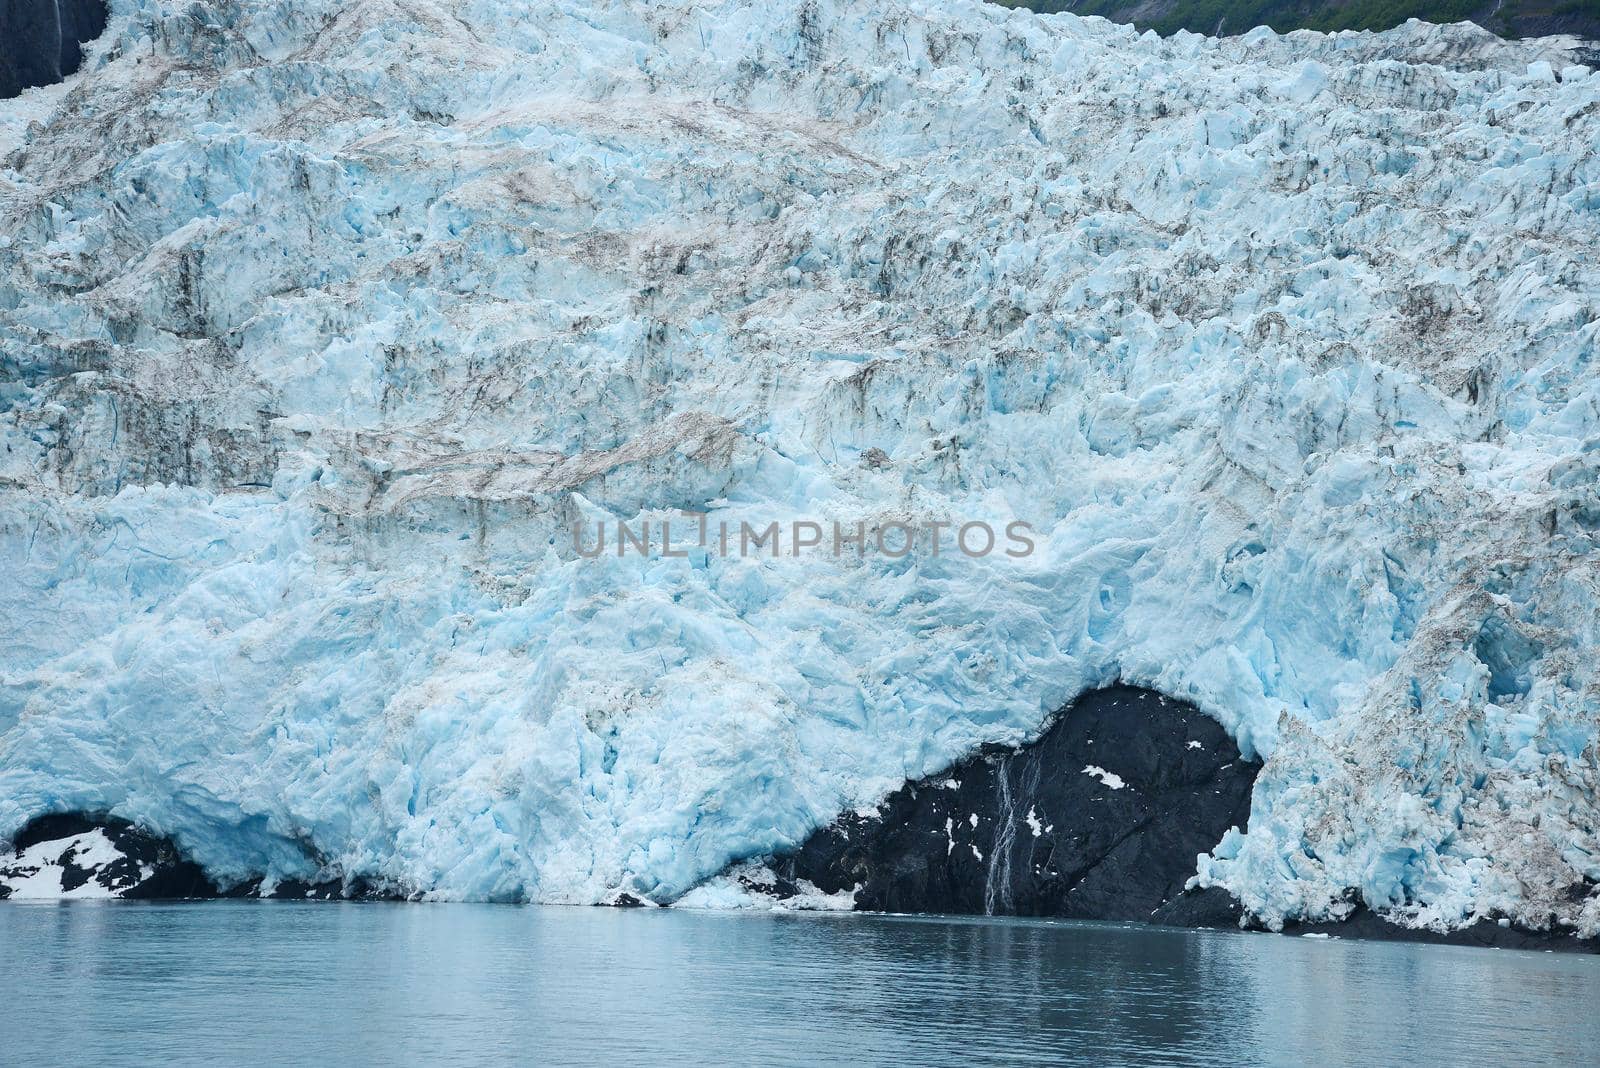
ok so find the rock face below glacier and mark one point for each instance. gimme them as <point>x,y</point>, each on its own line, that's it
<point>1214,907</point>
<point>72,856</point>
<point>1101,818</point>
<point>40,40</point>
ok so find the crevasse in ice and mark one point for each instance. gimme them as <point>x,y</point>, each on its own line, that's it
<point>320,324</point>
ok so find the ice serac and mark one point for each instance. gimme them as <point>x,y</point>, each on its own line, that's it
<point>320,323</point>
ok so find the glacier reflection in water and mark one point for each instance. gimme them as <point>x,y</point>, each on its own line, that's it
<point>248,982</point>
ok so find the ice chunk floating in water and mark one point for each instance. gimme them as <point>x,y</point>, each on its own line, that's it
<point>1285,347</point>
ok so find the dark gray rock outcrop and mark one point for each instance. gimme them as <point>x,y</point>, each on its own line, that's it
<point>1216,908</point>
<point>1507,18</point>
<point>68,855</point>
<point>41,40</point>
<point>1102,817</point>
<point>107,857</point>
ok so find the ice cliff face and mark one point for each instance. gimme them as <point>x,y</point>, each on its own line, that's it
<point>321,322</point>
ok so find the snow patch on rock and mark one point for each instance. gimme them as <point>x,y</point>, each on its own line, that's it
<point>68,868</point>
<point>1110,779</point>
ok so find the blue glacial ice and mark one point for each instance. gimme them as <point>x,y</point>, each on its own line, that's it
<point>321,322</point>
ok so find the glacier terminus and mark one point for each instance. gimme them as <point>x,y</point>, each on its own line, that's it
<point>323,323</point>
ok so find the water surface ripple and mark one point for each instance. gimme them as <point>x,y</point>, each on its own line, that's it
<point>261,982</point>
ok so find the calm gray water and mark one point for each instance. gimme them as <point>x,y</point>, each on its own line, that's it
<point>263,982</point>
